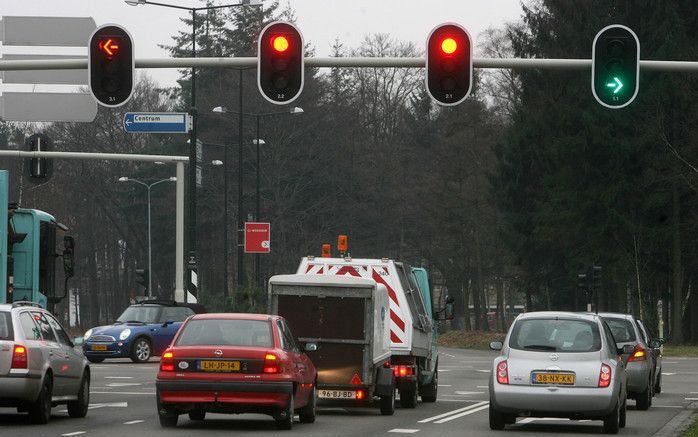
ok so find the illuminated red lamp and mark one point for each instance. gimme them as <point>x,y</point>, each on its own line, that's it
<point>279,43</point>
<point>360,395</point>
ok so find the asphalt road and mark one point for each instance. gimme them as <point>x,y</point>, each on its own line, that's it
<point>123,404</point>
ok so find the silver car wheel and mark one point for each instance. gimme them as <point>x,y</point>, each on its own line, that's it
<point>143,350</point>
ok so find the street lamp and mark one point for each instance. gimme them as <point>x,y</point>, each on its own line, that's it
<point>150,247</point>
<point>192,111</point>
<point>296,110</point>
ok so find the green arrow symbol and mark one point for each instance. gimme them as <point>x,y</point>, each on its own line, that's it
<point>617,85</point>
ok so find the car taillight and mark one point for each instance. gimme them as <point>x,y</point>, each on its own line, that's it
<point>271,363</point>
<point>19,357</point>
<point>502,373</point>
<point>167,362</point>
<point>360,394</point>
<point>639,354</point>
<point>400,371</point>
<point>605,376</point>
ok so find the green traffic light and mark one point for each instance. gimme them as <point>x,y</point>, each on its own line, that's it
<point>617,84</point>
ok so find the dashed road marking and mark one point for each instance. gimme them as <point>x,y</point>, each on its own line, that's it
<point>404,431</point>
<point>133,422</point>
<point>450,413</point>
<point>483,386</point>
<point>444,370</point>
<point>668,374</point>
<point>118,377</point>
<point>149,393</point>
<point>468,393</point>
<point>444,385</point>
<point>484,371</point>
<point>464,413</point>
<point>73,433</point>
<point>123,384</point>
<point>691,399</point>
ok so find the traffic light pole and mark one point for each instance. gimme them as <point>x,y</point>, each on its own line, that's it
<point>191,263</point>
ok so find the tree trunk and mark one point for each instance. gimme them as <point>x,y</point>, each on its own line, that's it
<point>478,282</point>
<point>677,269</point>
<point>499,284</point>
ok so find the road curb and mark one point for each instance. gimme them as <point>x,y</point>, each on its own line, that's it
<point>679,423</point>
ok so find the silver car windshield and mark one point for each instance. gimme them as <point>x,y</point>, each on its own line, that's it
<point>142,314</point>
<point>254,333</point>
<point>6,326</point>
<point>558,335</point>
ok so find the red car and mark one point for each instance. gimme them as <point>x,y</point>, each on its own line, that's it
<point>236,363</point>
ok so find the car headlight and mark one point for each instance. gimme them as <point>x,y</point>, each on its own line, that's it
<point>87,334</point>
<point>124,334</point>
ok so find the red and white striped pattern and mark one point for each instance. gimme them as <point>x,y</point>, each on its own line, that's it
<point>380,274</point>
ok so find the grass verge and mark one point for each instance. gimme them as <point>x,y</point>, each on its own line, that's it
<point>470,339</point>
<point>692,431</point>
<point>682,350</point>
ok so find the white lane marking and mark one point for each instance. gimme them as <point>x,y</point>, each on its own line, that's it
<point>691,399</point>
<point>669,362</point>
<point>150,393</point>
<point>123,384</point>
<point>464,413</point>
<point>457,400</point>
<point>484,371</point>
<point>668,374</point>
<point>546,419</point>
<point>108,404</point>
<point>73,433</point>
<point>468,393</point>
<point>133,422</point>
<point>404,431</point>
<point>440,416</point>
<point>118,377</point>
<point>483,386</point>
<point>444,385</point>
<point>667,406</point>
<point>448,355</point>
<point>444,370</point>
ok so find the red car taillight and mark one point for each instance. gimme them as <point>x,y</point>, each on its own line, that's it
<point>167,362</point>
<point>271,364</point>
<point>502,373</point>
<point>400,371</point>
<point>605,376</point>
<point>19,357</point>
<point>639,354</point>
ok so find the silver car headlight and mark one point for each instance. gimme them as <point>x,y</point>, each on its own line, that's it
<point>124,334</point>
<point>87,334</point>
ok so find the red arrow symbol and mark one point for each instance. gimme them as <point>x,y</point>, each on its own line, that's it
<point>108,46</point>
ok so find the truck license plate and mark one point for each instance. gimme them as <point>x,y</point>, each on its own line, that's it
<point>337,394</point>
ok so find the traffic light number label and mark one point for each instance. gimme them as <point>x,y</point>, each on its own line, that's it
<point>280,96</point>
<point>448,96</point>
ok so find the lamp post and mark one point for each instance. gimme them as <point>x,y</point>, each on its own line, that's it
<point>192,112</point>
<point>150,247</point>
<point>296,110</point>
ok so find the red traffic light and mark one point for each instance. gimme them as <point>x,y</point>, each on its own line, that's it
<point>109,46</point>
<point>279,43</point>
<point>449,46</point>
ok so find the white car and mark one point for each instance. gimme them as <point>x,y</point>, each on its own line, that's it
<point>558,364</point>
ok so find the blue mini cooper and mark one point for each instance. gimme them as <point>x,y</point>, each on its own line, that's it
<point>144,329</point>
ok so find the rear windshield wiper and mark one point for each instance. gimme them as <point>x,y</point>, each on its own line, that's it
<point>542,347</point>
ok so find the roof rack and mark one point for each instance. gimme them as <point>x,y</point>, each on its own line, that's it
<point>25,303</point>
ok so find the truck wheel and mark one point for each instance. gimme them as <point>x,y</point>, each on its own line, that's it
<point>78,409</point>
<point>307,414</point>
<point>429,391</point>
<point>388,404</point>
<point>408,398</point>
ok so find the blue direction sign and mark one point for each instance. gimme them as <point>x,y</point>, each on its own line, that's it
<point>157,122</point>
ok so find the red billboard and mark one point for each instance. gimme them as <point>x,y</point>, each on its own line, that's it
<point>257,237</point>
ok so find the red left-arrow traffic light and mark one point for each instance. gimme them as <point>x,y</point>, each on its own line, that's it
<point>280,61</point>
<point>449,74</point>
<point>111,65</point>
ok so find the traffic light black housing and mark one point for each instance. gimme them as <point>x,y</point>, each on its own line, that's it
<point>449,74</point>
<point>111,65</point>
<point>280,63</point>
<point>142,277</point>
<point>615,71</point>
<point>38,170</point>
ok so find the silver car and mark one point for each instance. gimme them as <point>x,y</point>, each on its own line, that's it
<point>641,363</point>
<point>558,364</point>
<point>39,368</point>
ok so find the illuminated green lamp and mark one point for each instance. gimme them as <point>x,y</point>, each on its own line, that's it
<point>617,84</point>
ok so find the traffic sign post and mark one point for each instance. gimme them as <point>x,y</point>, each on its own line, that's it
<point>156,122</point>
<point>257,237</point>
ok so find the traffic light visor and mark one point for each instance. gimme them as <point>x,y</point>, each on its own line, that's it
<point>279,43</point>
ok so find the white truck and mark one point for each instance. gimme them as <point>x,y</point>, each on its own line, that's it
<point>343,324</point>
<point>413,348</point>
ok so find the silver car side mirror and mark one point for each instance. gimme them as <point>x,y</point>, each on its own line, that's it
<point>310,347</point>
<point>496,345</point>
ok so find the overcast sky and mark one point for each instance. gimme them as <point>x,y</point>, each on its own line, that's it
<point>320,21</point>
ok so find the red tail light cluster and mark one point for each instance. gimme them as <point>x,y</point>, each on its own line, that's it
<point>360,395</point>
<point>19,357</point>
<point>639,354</point>
<point>167,362</point>
<point>401,371</point>
<point>271,364</point>
<point>502,373</point>
<point>605,376</point>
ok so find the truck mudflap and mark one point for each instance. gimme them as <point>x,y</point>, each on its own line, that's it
<point>385,381</point>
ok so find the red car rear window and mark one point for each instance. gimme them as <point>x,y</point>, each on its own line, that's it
<point>219,332</point>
